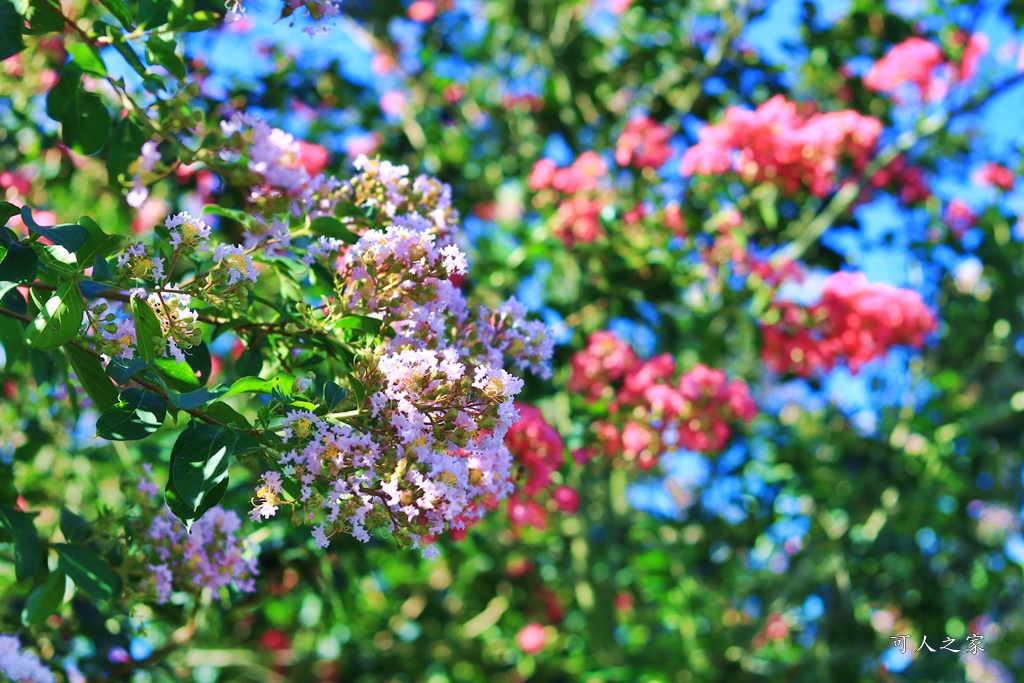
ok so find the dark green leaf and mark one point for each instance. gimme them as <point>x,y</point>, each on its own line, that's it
<point>10,33</point>
<point>334,394</point>
<point>8,211</point>
<point>223,412</point>
<point>67,235</point>
<point>198,358</point>
<point>60,99</point>
<point>44,601</point>
<point>59,320</point>
<point>98,245</point>
<point>138,414</point>
<point>121,370</point>
<point>86,124</point>
<point>74,528</point>
<point>88,570</point>
<point>120,12</point>
<point>194,399</point>
<point>41,15</point>
<point>161,51</point>
<point>332,227</point>
<point>199,469</point>
<point>93,378</point>
<point>29,551</point>
<point>148,335</point>
<point>18,263</point>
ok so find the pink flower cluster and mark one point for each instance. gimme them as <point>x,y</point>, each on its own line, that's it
<point>648,412</point>
<point>643,144</point>
<point>18,665</point>
<point>915,61</point>
<point>912,61</point>
<point>580,204</point>
<point>995,175</point>
<point>855,321</point>
<point>785,145</point>
<point>779,144</point>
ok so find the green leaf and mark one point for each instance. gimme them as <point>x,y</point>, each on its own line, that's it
<point>138,414</point>
<point>86,124</point>
<point>88,570</point>
<point>87,57</point>
<point>10,35</point>
<point>59,320</point>
<point>98,244</point>
<point>332,227</point>
<point>236,215</point>
<point>120,12</point>
<point>194,399</point>
<point>161,51</point>
<point>61,96</point>
<point>200,21</point>
<point>364,323</point>
<point>29,551</point>
<point>148,335</point>
<point>121,370</point>
<point>18,263</point>
<point>223,412</point>
<point>256,385</point>
<point>125,142</point>
<point>41,15</point>
<point>198,358</point>
<point>44,601</point>
<point>8,211</point>
<point>179,376</point>
<point>92,376</point>
<point>152,13</point>
<point>199,470</point>
<point>334,394</point>
<point>74,528</point>
<point>67,235</point>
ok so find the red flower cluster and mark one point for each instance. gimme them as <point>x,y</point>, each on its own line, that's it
<point>855,320</point>
<point>539,449</point>
<point>643,144</point>
<point>780,145</point>
<point>991,173</point>
<point>646,403</point>
<point>577,217</point>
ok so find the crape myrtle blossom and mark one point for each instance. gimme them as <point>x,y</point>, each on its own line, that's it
<point>855,321</point>
<point>18,665</point>
<point>211,555</point>
<point>425,452</point>
<point>580,192</point>
<point>647,409</point>
<point>143,271</point>
<point>643,144</point>
<point>792,147</point>
<point>916,62</point>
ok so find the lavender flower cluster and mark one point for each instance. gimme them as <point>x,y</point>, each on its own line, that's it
<point>211,555</point>
<point>18,665</point>
<point>426,450</point>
